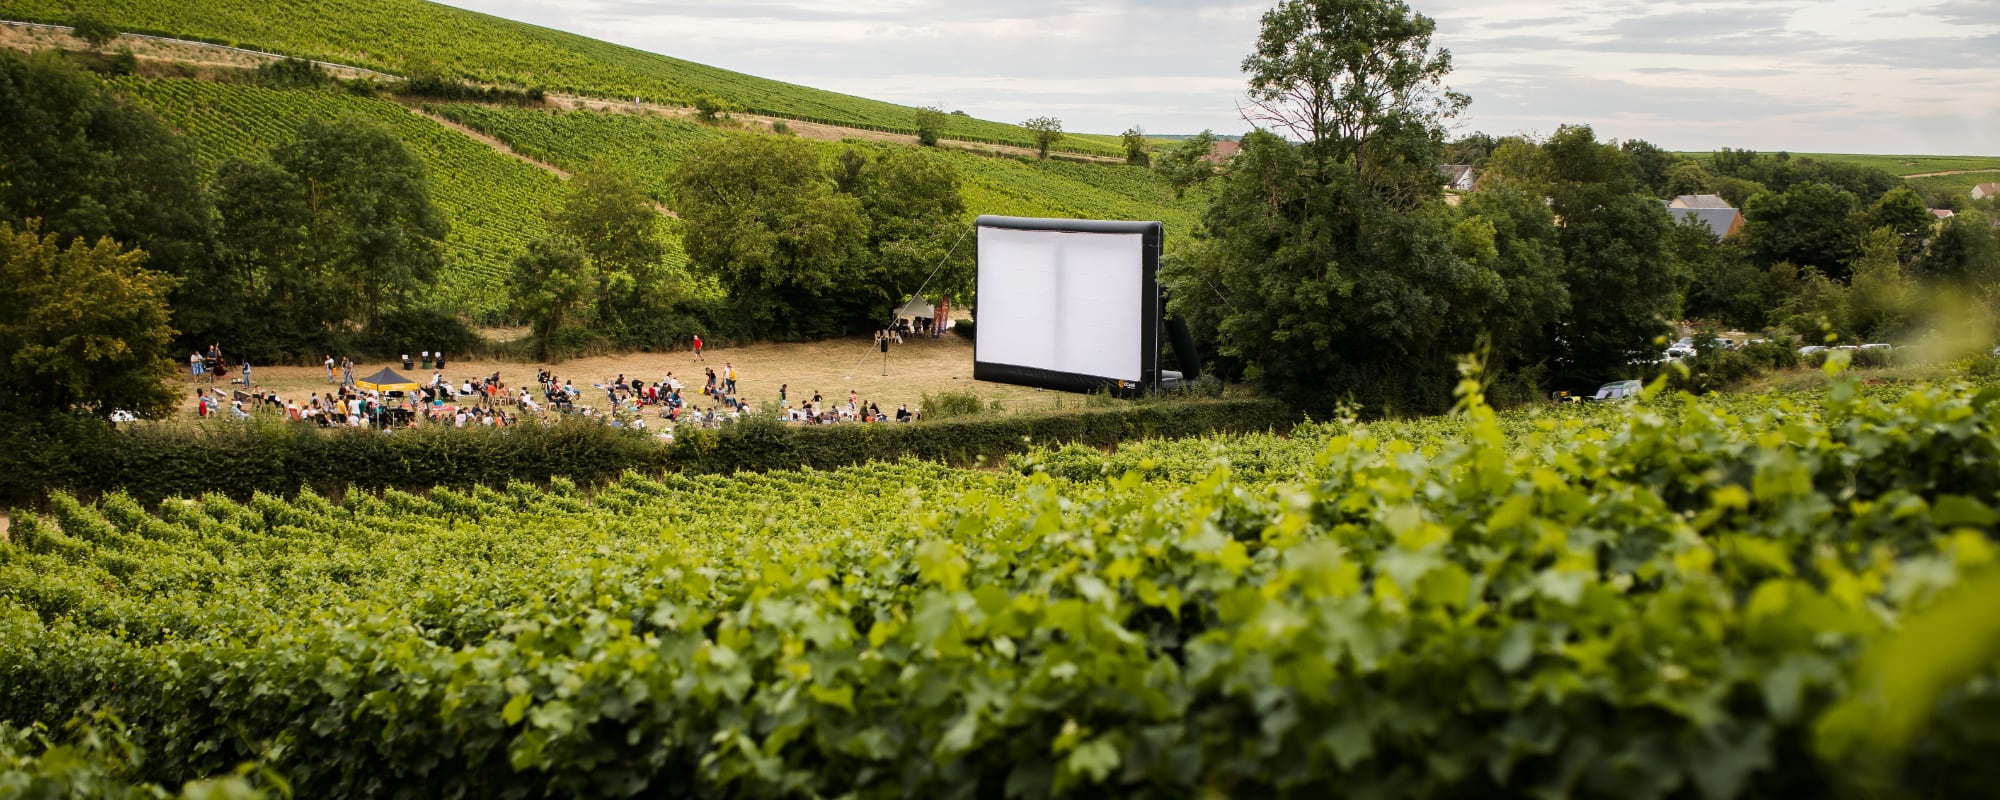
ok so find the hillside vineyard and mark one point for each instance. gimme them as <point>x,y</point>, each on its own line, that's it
<point>1652,600</point>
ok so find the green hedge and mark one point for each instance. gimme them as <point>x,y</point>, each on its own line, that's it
<point>87,458</point>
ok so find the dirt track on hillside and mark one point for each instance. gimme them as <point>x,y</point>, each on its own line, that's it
<point>1950,173</point>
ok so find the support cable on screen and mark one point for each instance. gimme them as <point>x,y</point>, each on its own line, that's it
<point>914,295</point>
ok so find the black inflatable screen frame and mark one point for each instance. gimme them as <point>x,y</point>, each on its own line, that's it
<point>1153,239</point>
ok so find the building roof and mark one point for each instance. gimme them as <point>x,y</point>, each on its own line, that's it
<point>1943,213</point>
<point>1986,190</point>
<point>1223,151</point>
<point>1699,201</point>
<point>1720,221</point>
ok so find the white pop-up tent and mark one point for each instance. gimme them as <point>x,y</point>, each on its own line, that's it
<point>910,312</point>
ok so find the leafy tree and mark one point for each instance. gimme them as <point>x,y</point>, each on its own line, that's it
<point>931,124</point>
<point>263,263</point>
<point>1188,164</point>
<point>1806,226</point>
<point>88,164</point>
<point>1648,165</point>
<point>1879,305</point>
<point>1965,252</point>
<point>708,107</point>
<point>371,224</point>
<point>1473,149</point>
<point>1723,285</point>
<point>1046,130</point>
<point>914,212</point>
<point>1623,286</point>
<point>1326,291</point>
<point>1135,147</point>
<point>1902,211</point>
<point>92,28</point>
<point>1358,82</point>
<point>606,216</point>
<point>1529,263</point>
<point>1811,303</point>
<point>1521,163</point>
<point>1580,163</point>
<point>550,287</point>
<point>763,216</point>
<point>84,327</point>
<point>1686,178</point>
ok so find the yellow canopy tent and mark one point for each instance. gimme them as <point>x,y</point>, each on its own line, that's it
<point>387,382</point>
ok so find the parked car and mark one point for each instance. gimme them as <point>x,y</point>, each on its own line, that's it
<point>1617,390</point>
<point>1877,346</point>
<point>1811,349</point>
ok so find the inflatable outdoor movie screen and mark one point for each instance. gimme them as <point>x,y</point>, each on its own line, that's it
<point>1071,305</point>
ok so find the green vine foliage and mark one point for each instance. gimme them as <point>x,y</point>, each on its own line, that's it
<point>1665,599</point>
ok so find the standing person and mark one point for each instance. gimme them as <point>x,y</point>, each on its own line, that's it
<point>781,392</point>
<point>346,371</point>
<point>194,364</point>
<point>697,348</point>
<point>329,368</point>
<point>729,376</point>
<point>246,373</point>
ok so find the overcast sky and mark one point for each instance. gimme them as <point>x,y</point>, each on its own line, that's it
<point>1844,76</point>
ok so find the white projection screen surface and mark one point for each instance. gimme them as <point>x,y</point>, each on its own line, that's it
<point>1068,304</point>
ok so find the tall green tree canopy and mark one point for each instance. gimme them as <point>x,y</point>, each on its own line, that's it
<point>371,223</point>
<point>88,164</point>
<point>1358,82</point>
<point>762,214</point>
<point>550,287</point>
<point>915,217</point>
<point>1187,164</point>
<point>1965,251</point>
<point>1806,225</point>
<point>84,327</point>
<point>606,216</point>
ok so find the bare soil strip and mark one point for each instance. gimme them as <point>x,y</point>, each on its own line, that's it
<point>1950,173</point>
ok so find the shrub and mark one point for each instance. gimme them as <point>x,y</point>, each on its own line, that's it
<point>416,329</point>
<point>88,457</point>
<point>946,405</point>
<point>93,29</point>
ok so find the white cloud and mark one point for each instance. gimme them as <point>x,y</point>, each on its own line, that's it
<point>1888,76</point>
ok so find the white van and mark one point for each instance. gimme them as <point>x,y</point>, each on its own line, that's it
<point>1618,390</point>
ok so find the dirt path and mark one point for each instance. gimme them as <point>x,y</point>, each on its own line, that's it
<point>1950,173</point>
<point>810,130</point>
<point>28,37</point>
<point>488,141</point>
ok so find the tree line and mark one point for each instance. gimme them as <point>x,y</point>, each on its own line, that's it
<point>1330,269</point>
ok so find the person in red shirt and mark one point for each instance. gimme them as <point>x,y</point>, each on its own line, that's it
<point>697,348</point>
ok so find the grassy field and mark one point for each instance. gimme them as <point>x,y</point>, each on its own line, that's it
<point>1900,166</point>
<point>1953,184</point>
<point>390,35</point>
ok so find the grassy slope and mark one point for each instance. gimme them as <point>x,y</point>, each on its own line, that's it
<point>493,202</point>
<point>386,34</point>
<point>651,146</point>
